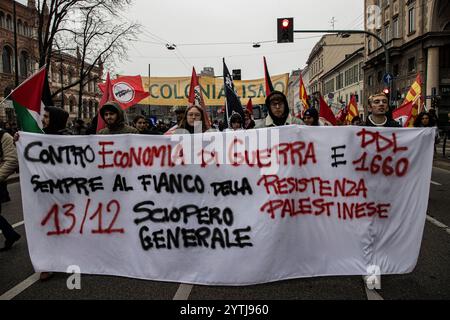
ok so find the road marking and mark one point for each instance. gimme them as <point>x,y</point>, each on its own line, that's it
<point>437,168</point>
<point>183,292</point>
<point>435,183</point>
<point>438,224</point>
<point>25,284</point>
<point>18,224</point>
<point>371,294</point>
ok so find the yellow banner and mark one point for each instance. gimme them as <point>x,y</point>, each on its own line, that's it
<point>174,91</point>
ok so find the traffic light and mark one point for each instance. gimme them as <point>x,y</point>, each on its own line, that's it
<point>386,91</point>
<point>285,28</point>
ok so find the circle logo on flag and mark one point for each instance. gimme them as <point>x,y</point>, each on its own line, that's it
<point>123,92</point>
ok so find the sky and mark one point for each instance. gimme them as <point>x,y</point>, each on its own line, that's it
<point>204,31</point>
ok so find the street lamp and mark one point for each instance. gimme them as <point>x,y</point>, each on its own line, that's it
<point>347,33</point>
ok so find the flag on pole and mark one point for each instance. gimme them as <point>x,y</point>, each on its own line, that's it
<point>352,109</point>
<point>107,96</point>
<point>303,96</point>
<point>407,113</point>
<point>268,81</point>
<point>325,113</point>
<point>28,100</point>
<point>233,103</point>
<point>196,97</point>
<point>250,106</point>
<point>126,90</point>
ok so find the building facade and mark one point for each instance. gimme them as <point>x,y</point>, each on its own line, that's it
<point>344,80</point>
<point>294,92</point>
<point>326,54</point>
<point>417,34</point>
<point>64,67</point>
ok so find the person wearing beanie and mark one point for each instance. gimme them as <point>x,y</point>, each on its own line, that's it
<point>278,108</point>
<point>114,118</point>
<point>311,117</point>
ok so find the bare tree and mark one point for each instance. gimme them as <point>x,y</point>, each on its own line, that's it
<point>95,27</point>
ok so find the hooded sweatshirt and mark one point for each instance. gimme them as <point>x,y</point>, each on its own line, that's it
<point>286,119</point>
<point>58,121</point>
<point>119,127</point>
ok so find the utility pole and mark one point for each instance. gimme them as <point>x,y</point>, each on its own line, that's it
<point>332,22</point>
<point>16,62</point>
<point>149,106</point>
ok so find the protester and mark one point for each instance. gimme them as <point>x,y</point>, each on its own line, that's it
<point>378,108</point>
<point>8,165</point>
<point>236,122</point>
<point>249,123</point>
<point>114,118</point>
<point>193,116</point>
<point>423,120</point>
<point>278,109</point>
<point>142,125</point>
<point>311,117</point>
<point>356,121</point>
<point>79,128</point>
<point>54,121</point>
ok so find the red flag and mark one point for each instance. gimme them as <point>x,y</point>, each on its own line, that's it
<point>250,106</point>
<point>303,96</point>
<point>407,113</point>
<point>127,91</point>
<point>269,86</point>
<point>107,96</point>
<point>196,97</point>
<point>352,109</point>
<point>326,114</point>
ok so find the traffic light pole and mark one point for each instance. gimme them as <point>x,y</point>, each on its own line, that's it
<point>383,44</point>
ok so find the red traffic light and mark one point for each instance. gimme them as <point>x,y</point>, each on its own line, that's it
<point>285,30</point>
<point>386,91</point>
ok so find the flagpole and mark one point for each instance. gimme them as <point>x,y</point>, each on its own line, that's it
<point>226,113</point>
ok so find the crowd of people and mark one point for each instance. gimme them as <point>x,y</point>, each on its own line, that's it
<point>189,120</point>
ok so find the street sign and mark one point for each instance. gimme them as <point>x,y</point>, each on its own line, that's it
<point>387,78</point>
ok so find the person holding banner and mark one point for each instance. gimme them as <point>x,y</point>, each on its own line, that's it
<point>311,117</point>
<point>249,123</point>
<point>278,109</point>
<point>114,118</point>
<point>192,117</point>
<point>236,122</point>
<point>378,107</point>
<point>8,164</point>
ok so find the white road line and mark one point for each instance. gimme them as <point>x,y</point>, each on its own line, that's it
<point>371,294</point>
<point>18,224</point>
<point>437,168</point>
<point>25,284</point>
<point>435,183</point>
<point>438,224</point>
<point>183,292</point>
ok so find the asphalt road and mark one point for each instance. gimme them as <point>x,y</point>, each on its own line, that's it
<point>430,279</point>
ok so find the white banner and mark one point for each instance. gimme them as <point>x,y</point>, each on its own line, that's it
<point>234,208</point>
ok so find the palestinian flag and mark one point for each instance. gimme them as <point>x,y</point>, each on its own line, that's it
<point>29,101</point>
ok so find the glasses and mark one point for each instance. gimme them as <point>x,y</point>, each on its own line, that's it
<point>378,101</point>
<point>280,104</point>
<point>194,115</point>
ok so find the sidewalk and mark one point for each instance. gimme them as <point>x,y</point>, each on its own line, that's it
<point>439,160</point>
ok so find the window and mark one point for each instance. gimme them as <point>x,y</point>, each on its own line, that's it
<point>412,64</point>
<point>329,86</point>
<point>24,62</point>
<point>20,27</point>
<point>7,59</point>
<point>9,24</point>
<point>387,33</point>
<point>370,81</point>
<point>2,19</point>
<point>339,81</point>
<point>396,28</point>
<point>380,76</point>
<point>411,20</point>
<point>396,70</point>
<point>361,71</point>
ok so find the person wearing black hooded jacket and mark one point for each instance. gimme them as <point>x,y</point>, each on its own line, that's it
<point>54,121</point>
<point>278,108</point>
